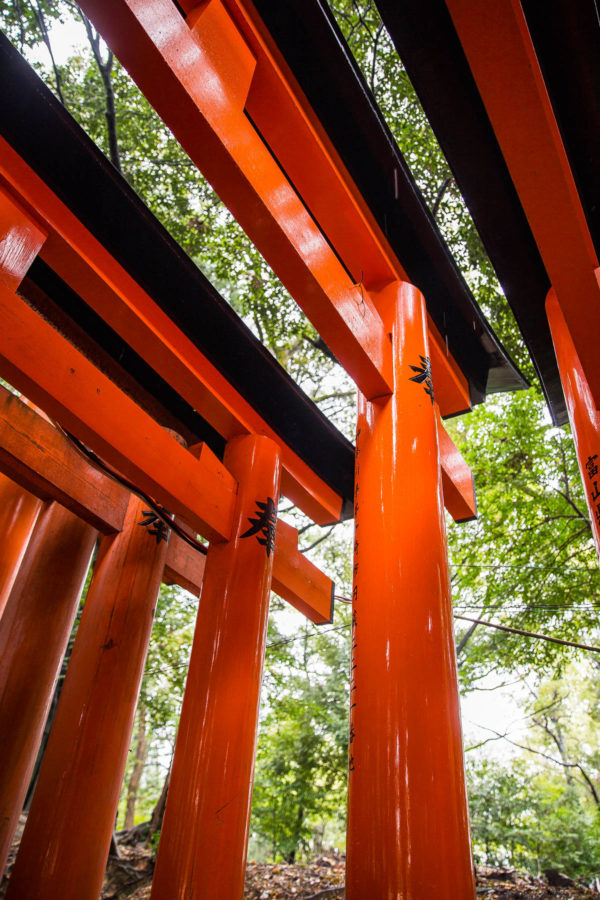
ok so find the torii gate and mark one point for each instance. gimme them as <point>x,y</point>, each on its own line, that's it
<point>219,80</point>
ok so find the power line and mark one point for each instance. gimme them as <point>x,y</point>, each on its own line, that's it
<point>531,634</point>
<point>526,608</point>
<point>568,571</point>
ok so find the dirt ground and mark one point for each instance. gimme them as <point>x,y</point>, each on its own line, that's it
<point>130,877</point>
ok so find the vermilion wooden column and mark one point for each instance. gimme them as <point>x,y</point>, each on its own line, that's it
<point>66,841</point>
<point>583,415</point>
<point>18,514</point>
<point>34,632</point>
<point>408,829</point>
<point>202,851</point>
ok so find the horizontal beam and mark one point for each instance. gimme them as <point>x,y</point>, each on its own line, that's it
<point>198,78</point>
<point>297,580</point>
<point>39,457</point>
<point>457,480</point>
<point>184,565</point>
<point>41,364</point>
<point>251,132</point>
<point>87,267</point>
<point>500,52</point>
<point>20,241</point>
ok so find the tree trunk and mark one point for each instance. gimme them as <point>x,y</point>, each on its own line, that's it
<point>159,810</point>
<point>141,750</point>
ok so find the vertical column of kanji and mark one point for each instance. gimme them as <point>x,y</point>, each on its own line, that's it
<point>202,851</point>
<point>34,631</point>
<point>18,514</point>
<point>583,415</point>
<point>66,841</point>
<point>408,831</point>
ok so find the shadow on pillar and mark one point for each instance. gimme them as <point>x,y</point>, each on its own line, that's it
<point>34,632</point>
<point>66,840</point>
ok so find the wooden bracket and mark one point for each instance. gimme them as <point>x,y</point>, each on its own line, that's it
<point>457,480</point>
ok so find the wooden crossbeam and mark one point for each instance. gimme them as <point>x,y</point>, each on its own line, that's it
<point>457,480</point>
<point>297,580</point>
<point>499,49</point>
<point>202,101</point>
<point>83,263</point>
<point>45,367</point>
<point>34,453</point>
<point>216,84</point>
<point>39,458</point>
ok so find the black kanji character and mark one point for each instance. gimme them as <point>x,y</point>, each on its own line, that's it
<point>352,734</point>
<point>351,764</point>
<point>591,466</point>
<point>423,375</point>
<point>353,618</point>
<point>265,523</point>
<point>155,525</point>
<point>595,491</point>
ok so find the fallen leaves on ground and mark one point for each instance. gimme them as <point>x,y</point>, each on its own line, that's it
<point>324,878</point>
<point>507,884</point>
<point>129,877</point>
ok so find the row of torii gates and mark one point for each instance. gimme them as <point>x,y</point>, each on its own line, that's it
<point>164,419</point>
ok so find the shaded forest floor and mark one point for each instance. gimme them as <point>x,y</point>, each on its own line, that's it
<point>129,878</point>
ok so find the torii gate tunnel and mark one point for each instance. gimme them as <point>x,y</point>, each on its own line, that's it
<point>154,418</point>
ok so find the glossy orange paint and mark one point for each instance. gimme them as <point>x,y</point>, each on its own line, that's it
<point>34,631</point>
<point>298,141</point>
<point>408,829</point>
<point>184,566</point>
<point>457,480</point>
<point>34,453</point>
<point>37,360</point>
<point>199,88</point>
<point>19,511</point>
<point>584,417</point>
<point>295,578</point>
<point>84,264</point>
<point>210,92</point>
<point>66,841</point>
<point>202,850</point>
<point>20,240</point>
<point>499,50</point>
<point>298,581</point>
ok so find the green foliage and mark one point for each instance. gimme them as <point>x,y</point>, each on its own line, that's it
<point>530,819</point>
<point>300,777</point>
<point>528,560</point>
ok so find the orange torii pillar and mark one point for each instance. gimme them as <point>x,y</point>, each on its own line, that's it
<point>18,514</point>
<point>408,828</point>
<point>203,844</point>
<point>584,418</point>
<point>34,632</point>
<point>67,838</point>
